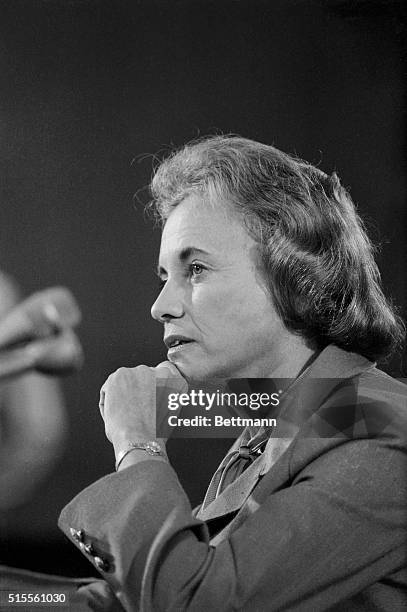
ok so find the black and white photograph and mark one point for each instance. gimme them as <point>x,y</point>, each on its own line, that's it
<point>203,305</point>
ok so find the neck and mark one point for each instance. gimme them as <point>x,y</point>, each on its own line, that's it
<point>292,358</point>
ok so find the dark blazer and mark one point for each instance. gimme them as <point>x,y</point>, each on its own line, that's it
<point>317,522</point>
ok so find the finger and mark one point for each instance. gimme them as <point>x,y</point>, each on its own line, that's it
<point>167,371</point>
<point>102,395</point>
<point>168,380</point>
<point>167,368</point>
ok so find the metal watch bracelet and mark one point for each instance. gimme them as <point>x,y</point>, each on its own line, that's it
<point>151,447</point>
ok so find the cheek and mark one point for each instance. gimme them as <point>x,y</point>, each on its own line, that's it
<point>209,310</point>
<point>228,310</point>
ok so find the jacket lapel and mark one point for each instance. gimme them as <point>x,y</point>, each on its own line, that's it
<point>330,365</point>
<point>234,496</point>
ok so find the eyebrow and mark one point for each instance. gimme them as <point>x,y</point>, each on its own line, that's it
<point>183,256</point>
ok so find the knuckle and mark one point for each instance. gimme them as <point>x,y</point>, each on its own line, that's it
<point>120,372</point>
<point>143,369</point>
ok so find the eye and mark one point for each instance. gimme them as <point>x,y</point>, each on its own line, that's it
<point>196,269</point>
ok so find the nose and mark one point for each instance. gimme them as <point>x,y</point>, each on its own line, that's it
<point>169,303</point>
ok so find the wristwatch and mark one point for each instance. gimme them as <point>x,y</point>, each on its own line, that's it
<point>151,447</point>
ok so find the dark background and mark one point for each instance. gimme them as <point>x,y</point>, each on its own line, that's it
<point>88,86</point>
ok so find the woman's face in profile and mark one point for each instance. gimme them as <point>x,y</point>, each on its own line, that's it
<point>218,317</point>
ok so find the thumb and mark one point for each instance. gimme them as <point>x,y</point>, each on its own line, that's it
<point>165,370</point>
<point>169,381</point>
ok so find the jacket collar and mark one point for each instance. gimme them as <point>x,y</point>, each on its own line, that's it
<point>330,365</point>
<point>334,362</point>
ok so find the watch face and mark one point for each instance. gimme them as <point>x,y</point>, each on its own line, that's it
<point>153,448</point>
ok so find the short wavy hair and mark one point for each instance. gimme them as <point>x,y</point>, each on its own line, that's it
<point>315,255</point>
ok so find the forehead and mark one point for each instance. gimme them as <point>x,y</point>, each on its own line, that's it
<point>196,223</point>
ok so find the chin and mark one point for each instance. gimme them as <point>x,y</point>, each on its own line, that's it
<point>193,371</point>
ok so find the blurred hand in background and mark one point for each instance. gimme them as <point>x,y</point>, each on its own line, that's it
<point>33,424</point>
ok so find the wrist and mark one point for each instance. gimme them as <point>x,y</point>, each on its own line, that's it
<point>139,448</point>
<point>136,456</point>
<point>122,440</point>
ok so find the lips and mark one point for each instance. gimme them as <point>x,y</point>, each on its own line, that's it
<point>176,340</point>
